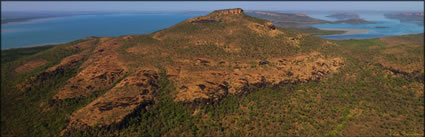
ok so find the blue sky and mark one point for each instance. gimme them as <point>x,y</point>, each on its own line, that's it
<point>208,6</point>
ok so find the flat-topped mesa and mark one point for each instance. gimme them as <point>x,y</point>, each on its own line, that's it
<point>217,16</point>
<point>235,11</point>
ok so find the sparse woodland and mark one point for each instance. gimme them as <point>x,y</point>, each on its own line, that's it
<point>234,76</point>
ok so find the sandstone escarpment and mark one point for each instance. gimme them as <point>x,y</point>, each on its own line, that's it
<point>197,77</point>
<point>132,93</point>
<point>210,75</point>
<point>100,71</point>
<point>227,11</point>
<point>200,75</point>
<point>67,64</point>
<point>267,28</point>
<point>211,86</point>
<point>217,16</point>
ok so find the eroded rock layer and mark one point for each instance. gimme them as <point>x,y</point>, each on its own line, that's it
<point>66,64</point>
<point>100,71</point>
<point>132,93</point>
<point>206,86</point>
<point>206,58</point>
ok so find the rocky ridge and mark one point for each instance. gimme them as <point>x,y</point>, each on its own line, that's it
<point>189,52</point>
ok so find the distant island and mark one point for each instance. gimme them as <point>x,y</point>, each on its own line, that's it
<point>344,15</point>
<point>22,16</point>
<point>24,19</point>
<point>381,27</point>
<point>286,18</point>
<point>407,16</point>
<point>293,21</point>
<point>353,21</point>
<point>299,18</point>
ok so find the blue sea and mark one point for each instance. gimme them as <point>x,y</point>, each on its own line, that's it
<point>66,29</point>
<point>394,27</point>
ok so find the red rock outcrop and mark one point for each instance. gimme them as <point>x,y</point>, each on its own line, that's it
<point>100,71</point>
<point>228,11</point>
<point>210,86</point>
<point>132,93</point>
<point>66,64</point>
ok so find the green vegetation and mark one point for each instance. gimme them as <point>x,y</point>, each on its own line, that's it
<point>360,97</point>
<point>372,95</point>
<point>13,54</point>
<point>165,118</point>
<point>28,113</point>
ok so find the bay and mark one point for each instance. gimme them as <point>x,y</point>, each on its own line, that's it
<point>392,27</point>
<point>66,29</point>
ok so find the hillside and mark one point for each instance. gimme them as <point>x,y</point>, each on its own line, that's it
<point>224,74</point>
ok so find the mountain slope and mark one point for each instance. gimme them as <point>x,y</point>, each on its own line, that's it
<point>224,74</point>
<point>207,58</point>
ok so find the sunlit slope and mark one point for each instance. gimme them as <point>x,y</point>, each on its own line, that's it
<point>224,74</point>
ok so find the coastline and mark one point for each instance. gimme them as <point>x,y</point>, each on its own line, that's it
<point>36,45</point>
<point>347,31</point>
<point>32,20</point>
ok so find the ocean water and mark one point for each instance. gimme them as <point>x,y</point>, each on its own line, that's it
<point>394,27</point>
<point>66,29</point>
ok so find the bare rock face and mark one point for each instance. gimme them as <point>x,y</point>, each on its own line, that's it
<point>129,85</point>
<point>132,93</point>
<point>216,16</point>
<point>267,28</point>
<point>100,71</point>
<point>69,61</point>
<point>66,64</point>
<point>210,86</point>
<point>203,86</point>
<point>228,11</point>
